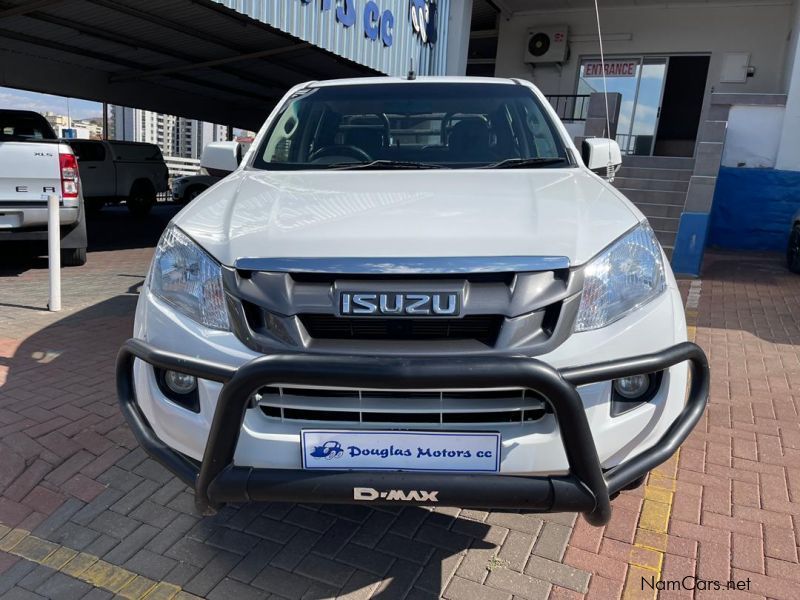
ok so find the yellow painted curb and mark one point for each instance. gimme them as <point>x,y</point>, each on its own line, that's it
<point>87,567</point>
<point>646,559</point>
<point>137,588</point>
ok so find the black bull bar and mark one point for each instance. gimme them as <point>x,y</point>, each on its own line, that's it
<point>586,488</point>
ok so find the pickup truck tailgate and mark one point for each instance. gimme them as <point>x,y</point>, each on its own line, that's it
<point>29,171</point>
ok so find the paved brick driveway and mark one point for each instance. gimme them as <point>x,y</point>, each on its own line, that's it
<point>84,513</point>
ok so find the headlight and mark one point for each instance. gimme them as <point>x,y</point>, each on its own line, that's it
<point>623,277</point>
<point>184,276</point>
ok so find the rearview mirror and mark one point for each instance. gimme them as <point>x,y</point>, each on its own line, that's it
<point>221,158</point>
<point>602,156</point>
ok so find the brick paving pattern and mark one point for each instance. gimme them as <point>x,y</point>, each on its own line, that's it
<point>84,512</point>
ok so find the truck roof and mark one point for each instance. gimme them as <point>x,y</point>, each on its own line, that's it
<point>418,80</point>
<point>115,142</point>
<point>20,112</point>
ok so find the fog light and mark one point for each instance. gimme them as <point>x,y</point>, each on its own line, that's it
<point>632,387</point>
<point>180,383</point>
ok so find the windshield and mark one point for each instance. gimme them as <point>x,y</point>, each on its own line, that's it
<point>415,125</point>
<point>23,126</point>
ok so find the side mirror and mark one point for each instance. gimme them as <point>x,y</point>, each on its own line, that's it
<point>221,158</point>
<point>600,153</point>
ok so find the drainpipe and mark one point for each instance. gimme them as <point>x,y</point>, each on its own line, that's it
<point>788,158</point>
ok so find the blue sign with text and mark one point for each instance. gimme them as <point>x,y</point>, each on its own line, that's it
<point>378,24</point>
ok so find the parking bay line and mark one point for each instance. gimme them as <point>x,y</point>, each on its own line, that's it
<point>87,567</point>
<point>646,558</point>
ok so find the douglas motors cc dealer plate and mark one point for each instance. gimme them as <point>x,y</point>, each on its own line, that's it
<point>401,450</point>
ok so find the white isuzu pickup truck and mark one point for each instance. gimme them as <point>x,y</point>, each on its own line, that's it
<point>412,291</point>
<point>34,164</point>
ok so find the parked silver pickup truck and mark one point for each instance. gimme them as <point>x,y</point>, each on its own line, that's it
<point>113,171</point>
<point>34,164</point>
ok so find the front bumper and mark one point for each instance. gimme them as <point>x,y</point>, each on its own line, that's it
<point>585,488</point>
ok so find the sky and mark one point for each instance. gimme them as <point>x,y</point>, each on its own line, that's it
<point>19,99</point>
<point>79,109</point>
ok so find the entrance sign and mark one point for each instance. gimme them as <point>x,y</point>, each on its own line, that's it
<point>613,68</point>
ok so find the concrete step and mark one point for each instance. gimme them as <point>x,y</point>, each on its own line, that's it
<point>657,185</point>
<point>654,197</point>
<point>664,224</point>
<point>661,210</point>
<point>647,173</point>
<point>658,162</point>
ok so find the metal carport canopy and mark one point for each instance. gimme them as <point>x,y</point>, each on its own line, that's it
<point>193,58</point>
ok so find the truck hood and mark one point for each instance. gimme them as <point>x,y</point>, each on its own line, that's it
<point>430,213</point>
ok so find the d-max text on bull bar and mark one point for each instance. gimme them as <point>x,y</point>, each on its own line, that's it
<point>412,292</point>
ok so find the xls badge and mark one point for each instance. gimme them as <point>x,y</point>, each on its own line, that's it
<point>423,20</point>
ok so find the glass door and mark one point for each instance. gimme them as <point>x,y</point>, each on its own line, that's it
<point>640,81</point>
<point>647,107</point>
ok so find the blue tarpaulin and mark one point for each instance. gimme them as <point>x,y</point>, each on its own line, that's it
<point>753,208</point>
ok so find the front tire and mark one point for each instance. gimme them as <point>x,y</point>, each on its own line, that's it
<point>73,257</point>
<point>93,206</point>
<point>141,200</point>
<point>193,193</point>
<point>793,250</point>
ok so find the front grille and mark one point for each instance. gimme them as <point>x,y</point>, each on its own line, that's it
<point>483,328</point>
<point>528,313</point>
<point>503,416</point>
<point>426,407</point>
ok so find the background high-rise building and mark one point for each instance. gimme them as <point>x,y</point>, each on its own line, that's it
<point>66,127</point>
<point>181,140</point>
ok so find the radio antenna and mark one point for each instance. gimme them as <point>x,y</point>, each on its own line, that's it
<point>609,168</point>
<point>411,74</point>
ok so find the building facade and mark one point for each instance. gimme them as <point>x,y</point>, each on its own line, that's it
<point>181,140</point>
<point>387,36</point>
<point>67,127</point>
<point>709,115</point>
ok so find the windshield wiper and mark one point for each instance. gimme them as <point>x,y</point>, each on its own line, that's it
<point>525,163</point>
<point>384,164</point>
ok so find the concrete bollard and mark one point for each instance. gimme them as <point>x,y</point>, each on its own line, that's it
<point>54,251</point>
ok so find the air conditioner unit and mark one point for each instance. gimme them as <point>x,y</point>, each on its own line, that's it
<point>547,45</point>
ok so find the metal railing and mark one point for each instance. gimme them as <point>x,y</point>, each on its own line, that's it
<point>570,107</point>
<point>626,142</point>
<point>632,143</point>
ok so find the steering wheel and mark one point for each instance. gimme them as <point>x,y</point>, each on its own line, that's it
<point>340,150</point>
